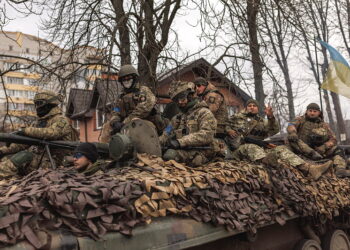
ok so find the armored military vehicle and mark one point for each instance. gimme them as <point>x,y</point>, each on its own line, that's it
<point>149,203</point>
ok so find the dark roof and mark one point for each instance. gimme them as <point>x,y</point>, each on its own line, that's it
<point>107,92</point>
<point>201,68</point>
<point>80,101</point>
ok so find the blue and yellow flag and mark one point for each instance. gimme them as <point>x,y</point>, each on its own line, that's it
<point>337,78</point>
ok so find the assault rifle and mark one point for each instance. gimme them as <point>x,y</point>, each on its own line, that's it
<point>260,143</point>
<point>102,148</point>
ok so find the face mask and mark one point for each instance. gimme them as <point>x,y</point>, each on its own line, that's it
<point>43,110</point>
<point>128,83</point>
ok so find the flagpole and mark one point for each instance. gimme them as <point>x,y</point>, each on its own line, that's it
<point>318,75</point>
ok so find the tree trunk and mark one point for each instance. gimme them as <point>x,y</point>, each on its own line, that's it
<point>340,120</point>
<point>329,111</point>
<point>123,30</point>
<point>252,12</point>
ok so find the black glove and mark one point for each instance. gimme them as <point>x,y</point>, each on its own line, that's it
<point>20,132</point>
<point>173,143</point>
<point>116,127</point>
<point>293,137</point>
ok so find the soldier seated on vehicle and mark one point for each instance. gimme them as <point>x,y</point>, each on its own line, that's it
<point>136,101</point>
<point>248,128</point>
<point>50,125</point>
<point>85,159</point>
<point>216,102</point>
<point>248,123</point>
<point>311,137</point>
<point>190,136</point>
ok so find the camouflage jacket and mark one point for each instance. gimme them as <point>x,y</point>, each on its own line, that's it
<point>53,126</point>
<point>253,125</point>
<point>134,105</point>
<point>193,128</point>
<point>306,128</point>
<point>217,106</point>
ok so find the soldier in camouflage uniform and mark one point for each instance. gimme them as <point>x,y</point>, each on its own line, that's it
<point>310,136</point>
<point>216,103</point>
<point>249,123</point>
<point>86,160</point>
<point>136,102</point>
<point>195,126</point>
<point>50,125</point>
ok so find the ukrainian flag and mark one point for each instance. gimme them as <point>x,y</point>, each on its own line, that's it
<point>337,78</point>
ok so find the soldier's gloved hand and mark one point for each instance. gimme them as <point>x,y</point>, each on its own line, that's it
<point>293,137</point>
<point>173,144</point>
<point>321,149</point>
<point>20,132</point>
<point>116,127</point>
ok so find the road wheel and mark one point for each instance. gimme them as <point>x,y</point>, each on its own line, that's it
<point>336,240</point>
<point>307,245</point>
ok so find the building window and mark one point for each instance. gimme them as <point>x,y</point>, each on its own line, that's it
<point>161,107</point>
<point>15,80</point>
<point>232,110</point>
<point>27,50</point>
<point>10,47</point>
<point>76,124</point>
<point>100,117</point>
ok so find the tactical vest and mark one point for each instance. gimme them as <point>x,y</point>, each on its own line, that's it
<point>129,102</point>
<point>257,129</point>
<point>306,132</point>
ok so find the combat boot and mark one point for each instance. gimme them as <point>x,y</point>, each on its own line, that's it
<point>316,170</point>
<point>315,155</point>
<point>342,172</point>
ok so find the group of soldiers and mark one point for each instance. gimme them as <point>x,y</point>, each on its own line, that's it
<point>199,133</point>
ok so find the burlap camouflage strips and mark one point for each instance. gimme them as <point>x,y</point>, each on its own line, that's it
<point>238,195</point>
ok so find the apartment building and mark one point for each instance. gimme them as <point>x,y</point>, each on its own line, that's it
<point>20,78</point>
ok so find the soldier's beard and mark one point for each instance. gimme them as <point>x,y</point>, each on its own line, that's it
<point>189,105</point>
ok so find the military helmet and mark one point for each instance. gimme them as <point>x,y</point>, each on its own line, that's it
<point>179,87</point>
<point>127,69</point>
<point>47,97</point>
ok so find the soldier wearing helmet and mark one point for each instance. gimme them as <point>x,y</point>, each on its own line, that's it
<point>216,103</point>
<point>190,136</point>
<point>310,136</point>
<point>135,102</point>
<point>50,125</point>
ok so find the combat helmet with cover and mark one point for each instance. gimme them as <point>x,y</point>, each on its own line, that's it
<point>179,87</point>
<point>128,77</point>
<point>45,100</point>
<point>126,70</point>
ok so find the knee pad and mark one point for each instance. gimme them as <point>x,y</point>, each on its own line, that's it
<point>22,158</point>
<point>171,154</point>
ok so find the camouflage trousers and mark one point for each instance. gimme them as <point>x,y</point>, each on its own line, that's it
<point>302,148</point>
<point>8,168</point>
<point>193,158</point>
<point>284,154</point>
<point>250,152</point>
<point>253,153</point>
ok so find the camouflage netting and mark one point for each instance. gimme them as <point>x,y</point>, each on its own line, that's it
<point>237,195</point>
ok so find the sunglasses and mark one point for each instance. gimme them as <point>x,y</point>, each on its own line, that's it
<point>78,155</point>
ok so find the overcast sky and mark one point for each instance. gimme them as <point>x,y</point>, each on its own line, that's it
<point>189,40</point>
